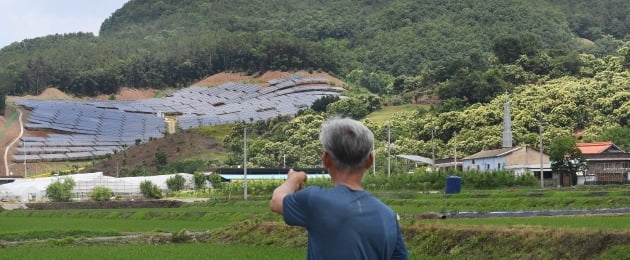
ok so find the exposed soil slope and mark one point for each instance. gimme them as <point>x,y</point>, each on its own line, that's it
<point>261,78</point>
<point>176,146</point>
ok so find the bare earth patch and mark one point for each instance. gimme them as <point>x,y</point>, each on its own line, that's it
<point>261,79</point>
<point>49,93</point>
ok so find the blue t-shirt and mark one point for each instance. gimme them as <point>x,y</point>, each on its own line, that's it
<point>345,224</point>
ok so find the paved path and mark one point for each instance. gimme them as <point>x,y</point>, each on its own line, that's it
<point>6,149</point>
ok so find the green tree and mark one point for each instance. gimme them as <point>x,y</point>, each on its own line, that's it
<point>176,183</point>
<point>200,180</point>
<point>321,104</point>
<point>618,135</point>
<point>3,97</point>
<point>566,158</point>
<point>150,190</point>
<point>161,159</point>
<point>215,180</point>
<point>350,107</point>
<point>60,190</point>
<point>101,193</point>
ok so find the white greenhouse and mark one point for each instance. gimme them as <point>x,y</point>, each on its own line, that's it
<point>25,190</point>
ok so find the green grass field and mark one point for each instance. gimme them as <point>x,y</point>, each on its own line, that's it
<point>385,113</point>
<point>62,231</point>
<point>170,251</point>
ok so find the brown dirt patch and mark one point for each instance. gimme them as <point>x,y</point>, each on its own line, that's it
<point>176,146</point>
<point>131,94</point>
<point>12,132</point>
<point>49,93</point>
<point>261,78</point>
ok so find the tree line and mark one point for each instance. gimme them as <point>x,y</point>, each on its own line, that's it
<point>170,44</point>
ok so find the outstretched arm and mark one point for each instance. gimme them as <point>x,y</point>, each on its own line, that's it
<point>295,181</point>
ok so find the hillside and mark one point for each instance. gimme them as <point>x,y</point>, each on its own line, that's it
<point>141,159</point>
<point>174,43</point>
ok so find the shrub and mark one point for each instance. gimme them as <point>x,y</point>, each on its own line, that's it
<point>215,180</point>
<point>60,191</point>
<point>181,236</point>
<point>176,183</point>
<point>200,180</point>
<point>101,193</point>
<point>150,190</point>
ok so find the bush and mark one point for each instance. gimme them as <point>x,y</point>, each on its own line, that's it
<point>60,191</point>
<point>200,180</point>
<point>215,180</point>
<point>423,180</point>
<point>150,190</point>
<point>101,193</point>
<point>176,183</point>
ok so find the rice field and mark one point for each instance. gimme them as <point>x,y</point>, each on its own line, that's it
<point>61,234</point>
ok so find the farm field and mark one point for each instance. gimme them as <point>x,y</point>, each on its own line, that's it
<point>238,229</point>
<point>619,222</point>
<point>172,251</point>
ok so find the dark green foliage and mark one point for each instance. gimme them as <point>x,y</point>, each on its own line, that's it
<point>374,82</point>
<point>187,166</point>
<point>3,97</point>
<point>215,179</point>
<point>618,135</point>
<point>150,190</point>
<point>594,19</point>
<point>174,43</point>
<point>616,252</point>
<point>509,49</point>
<point>566,159</point>
<point>176,183</point>
<point>322,103</point>
<point>349,107</point>
<point>161,159</point>
<point>60,190</point>
<point>200,180</point>
<point>101,193</point>
<point>422,180</point>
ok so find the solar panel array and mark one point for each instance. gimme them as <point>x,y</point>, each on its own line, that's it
<point>88,129</point>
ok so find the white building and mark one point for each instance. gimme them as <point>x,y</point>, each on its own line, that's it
<point>25,190</point>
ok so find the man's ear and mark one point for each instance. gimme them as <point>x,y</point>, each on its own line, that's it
<point>326,160</point>
<point>369,161</point>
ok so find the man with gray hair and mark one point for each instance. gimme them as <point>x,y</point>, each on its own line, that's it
<point>343,222</point>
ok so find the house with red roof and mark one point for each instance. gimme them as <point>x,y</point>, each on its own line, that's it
<point>606,163</point>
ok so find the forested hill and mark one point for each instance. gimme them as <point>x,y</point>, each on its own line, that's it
<point>171,43</point>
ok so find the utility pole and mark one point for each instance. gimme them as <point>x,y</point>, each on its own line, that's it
<point>284,161</point>
<point>389,140</point>
<point>373,160</point>
<point>245,162</point>
<point>25,170</point>
<point>455,148</point>
<point>540,130</point>
<point>432,146</point>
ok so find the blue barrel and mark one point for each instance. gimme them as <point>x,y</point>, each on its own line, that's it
<point>453,184</point>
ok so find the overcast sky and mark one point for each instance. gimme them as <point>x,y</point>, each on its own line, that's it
<point>24,19</point>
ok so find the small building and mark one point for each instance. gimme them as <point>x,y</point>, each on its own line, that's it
<point>411,162</point>
<point>446,164</point>
<point>605,162</point>
<point>520,160</point>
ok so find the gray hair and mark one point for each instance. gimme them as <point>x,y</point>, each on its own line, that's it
<point>347,141</point>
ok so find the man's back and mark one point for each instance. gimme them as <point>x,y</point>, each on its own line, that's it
<point>345,224</point>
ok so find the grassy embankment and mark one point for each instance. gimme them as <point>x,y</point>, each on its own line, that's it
<point>386,112</point>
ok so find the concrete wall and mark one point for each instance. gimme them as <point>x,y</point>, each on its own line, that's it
<point>525,156</point>
<point>485,164</point>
